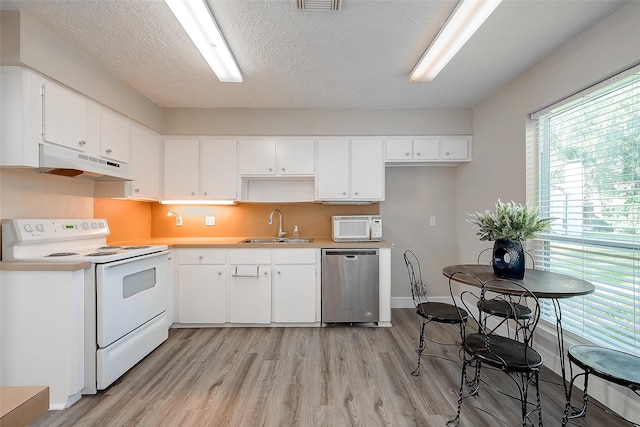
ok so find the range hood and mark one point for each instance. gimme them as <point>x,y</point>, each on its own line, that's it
<point>63,161</point>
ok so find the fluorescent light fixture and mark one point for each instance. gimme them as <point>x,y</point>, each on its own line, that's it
<point>197,20</point>
<point>198,202</point>
<point>461,25</point>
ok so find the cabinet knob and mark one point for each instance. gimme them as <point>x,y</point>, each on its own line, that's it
<point>282,169</point>
<point>137,190</point>
<point>407,154</point>
<point>418,153</point>
<point>446,153</point>
<point>270,170</point>
<point>265,273</point>
<point>82,143</point>
<point>356,193</point>
<point>170,258</point>
<point>344,193</point>
<point>108,150</point>
<point>219,273</point>
<point>205,193</point>
<point>278,271</point>
<point>200,257</point>
<point>193,194</point>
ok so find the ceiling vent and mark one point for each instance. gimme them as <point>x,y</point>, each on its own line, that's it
<point>318,4</point>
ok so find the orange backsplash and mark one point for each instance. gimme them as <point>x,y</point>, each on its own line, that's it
<point>130,220</point>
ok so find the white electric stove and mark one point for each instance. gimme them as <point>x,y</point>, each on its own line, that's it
<point>126,289</point>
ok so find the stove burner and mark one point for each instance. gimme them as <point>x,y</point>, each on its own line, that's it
<point>62,254</point>
<point>100,253</point>
<point>108,248</point>
<point>137,247</point>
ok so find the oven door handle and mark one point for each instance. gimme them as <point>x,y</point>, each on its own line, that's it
<point>138,258</point>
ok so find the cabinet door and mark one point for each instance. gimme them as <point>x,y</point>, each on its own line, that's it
<point>202,294</point>
<point>367,169</point>
<point>455,148</point>
<point>218,166</point>
<point>181,171</point>
<point>295,157</point>
<point>332,177</point>
<point>65,120</point>
<point>426,149</point>
<point>146,164</point>
<point>249,294</point>
<point>399,149</point>
<point>115,137</point>
<point>257,157</point>
<point>294,293</point>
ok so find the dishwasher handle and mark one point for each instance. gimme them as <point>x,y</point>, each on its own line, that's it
<point>349,252</point>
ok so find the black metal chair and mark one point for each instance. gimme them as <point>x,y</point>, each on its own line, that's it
<point>498,307</point>
<point>429,311</point>
<point>512,355</point>
<point>610,365</point>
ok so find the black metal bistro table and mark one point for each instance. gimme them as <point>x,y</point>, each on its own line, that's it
<point>543,284</point>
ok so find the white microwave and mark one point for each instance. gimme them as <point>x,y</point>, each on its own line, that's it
<point>356,228</point>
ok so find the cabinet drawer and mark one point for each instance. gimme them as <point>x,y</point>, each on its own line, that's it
<point>295,256</point>
<point>249,256</point>
<point>202,256</point>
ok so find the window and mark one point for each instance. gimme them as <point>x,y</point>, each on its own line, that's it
<point>584,170</point>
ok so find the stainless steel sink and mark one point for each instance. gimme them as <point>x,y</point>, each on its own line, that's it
<point>275,240</point>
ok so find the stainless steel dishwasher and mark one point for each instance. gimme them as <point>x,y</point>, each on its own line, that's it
<point>350,286</point>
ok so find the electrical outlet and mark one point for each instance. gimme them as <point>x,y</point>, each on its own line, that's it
<point>209,220</point>
<point>178,221</point>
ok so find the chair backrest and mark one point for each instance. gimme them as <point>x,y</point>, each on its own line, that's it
<point>486,257</point>
<point>513,294</point>
<point>418,288</point>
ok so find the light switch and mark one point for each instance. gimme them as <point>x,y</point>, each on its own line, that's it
<point>432,220</point>
<point>209,220</point>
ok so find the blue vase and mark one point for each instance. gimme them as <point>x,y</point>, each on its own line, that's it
<point>508,259</point>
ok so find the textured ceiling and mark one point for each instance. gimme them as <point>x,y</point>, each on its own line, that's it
<point>359,57</point>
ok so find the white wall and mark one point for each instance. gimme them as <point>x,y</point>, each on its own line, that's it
<point>498,167</point>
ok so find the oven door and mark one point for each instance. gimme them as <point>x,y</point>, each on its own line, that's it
<point>129,293</point>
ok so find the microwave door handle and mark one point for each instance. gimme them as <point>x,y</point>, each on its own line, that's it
<point>139,258</point>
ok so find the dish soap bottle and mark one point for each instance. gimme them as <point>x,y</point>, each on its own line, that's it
<point>296,232</point>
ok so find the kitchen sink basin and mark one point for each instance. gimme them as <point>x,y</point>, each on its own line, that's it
<point>274,240</point>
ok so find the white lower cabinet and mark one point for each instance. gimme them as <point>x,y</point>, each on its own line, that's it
<point>202,286</point>
<point>249,286</point>
<point>295,282</point>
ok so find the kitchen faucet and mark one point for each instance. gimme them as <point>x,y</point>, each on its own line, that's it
<point>281,233</point>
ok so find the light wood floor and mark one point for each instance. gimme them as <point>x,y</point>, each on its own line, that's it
<point>338,376</point>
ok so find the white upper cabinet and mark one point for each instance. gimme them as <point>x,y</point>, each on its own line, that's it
<point>271,157</point>
<point>218,169</point>
<point>146,163</point>
<point>67,120</point>
<point>115,136</point>
<point>350,170</point>
<point>146,167</point>
<point>428,149</point>
<point>181,169</point>
<point>295,156</point>
<point>195,169</point>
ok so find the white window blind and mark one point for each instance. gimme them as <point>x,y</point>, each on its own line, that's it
<point>583,168</point>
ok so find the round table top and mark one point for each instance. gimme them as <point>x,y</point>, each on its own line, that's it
<point>543,284</point>
<point>612,365</point>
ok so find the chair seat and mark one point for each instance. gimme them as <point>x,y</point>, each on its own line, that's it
<point>506,353</point>
<point>442,312</point>
<point>612,365</point>
<point>502,308</point>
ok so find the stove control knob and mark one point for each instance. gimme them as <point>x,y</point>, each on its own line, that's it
<point>28,228</point>
<point>85,225</point>
<point>40,227</point>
